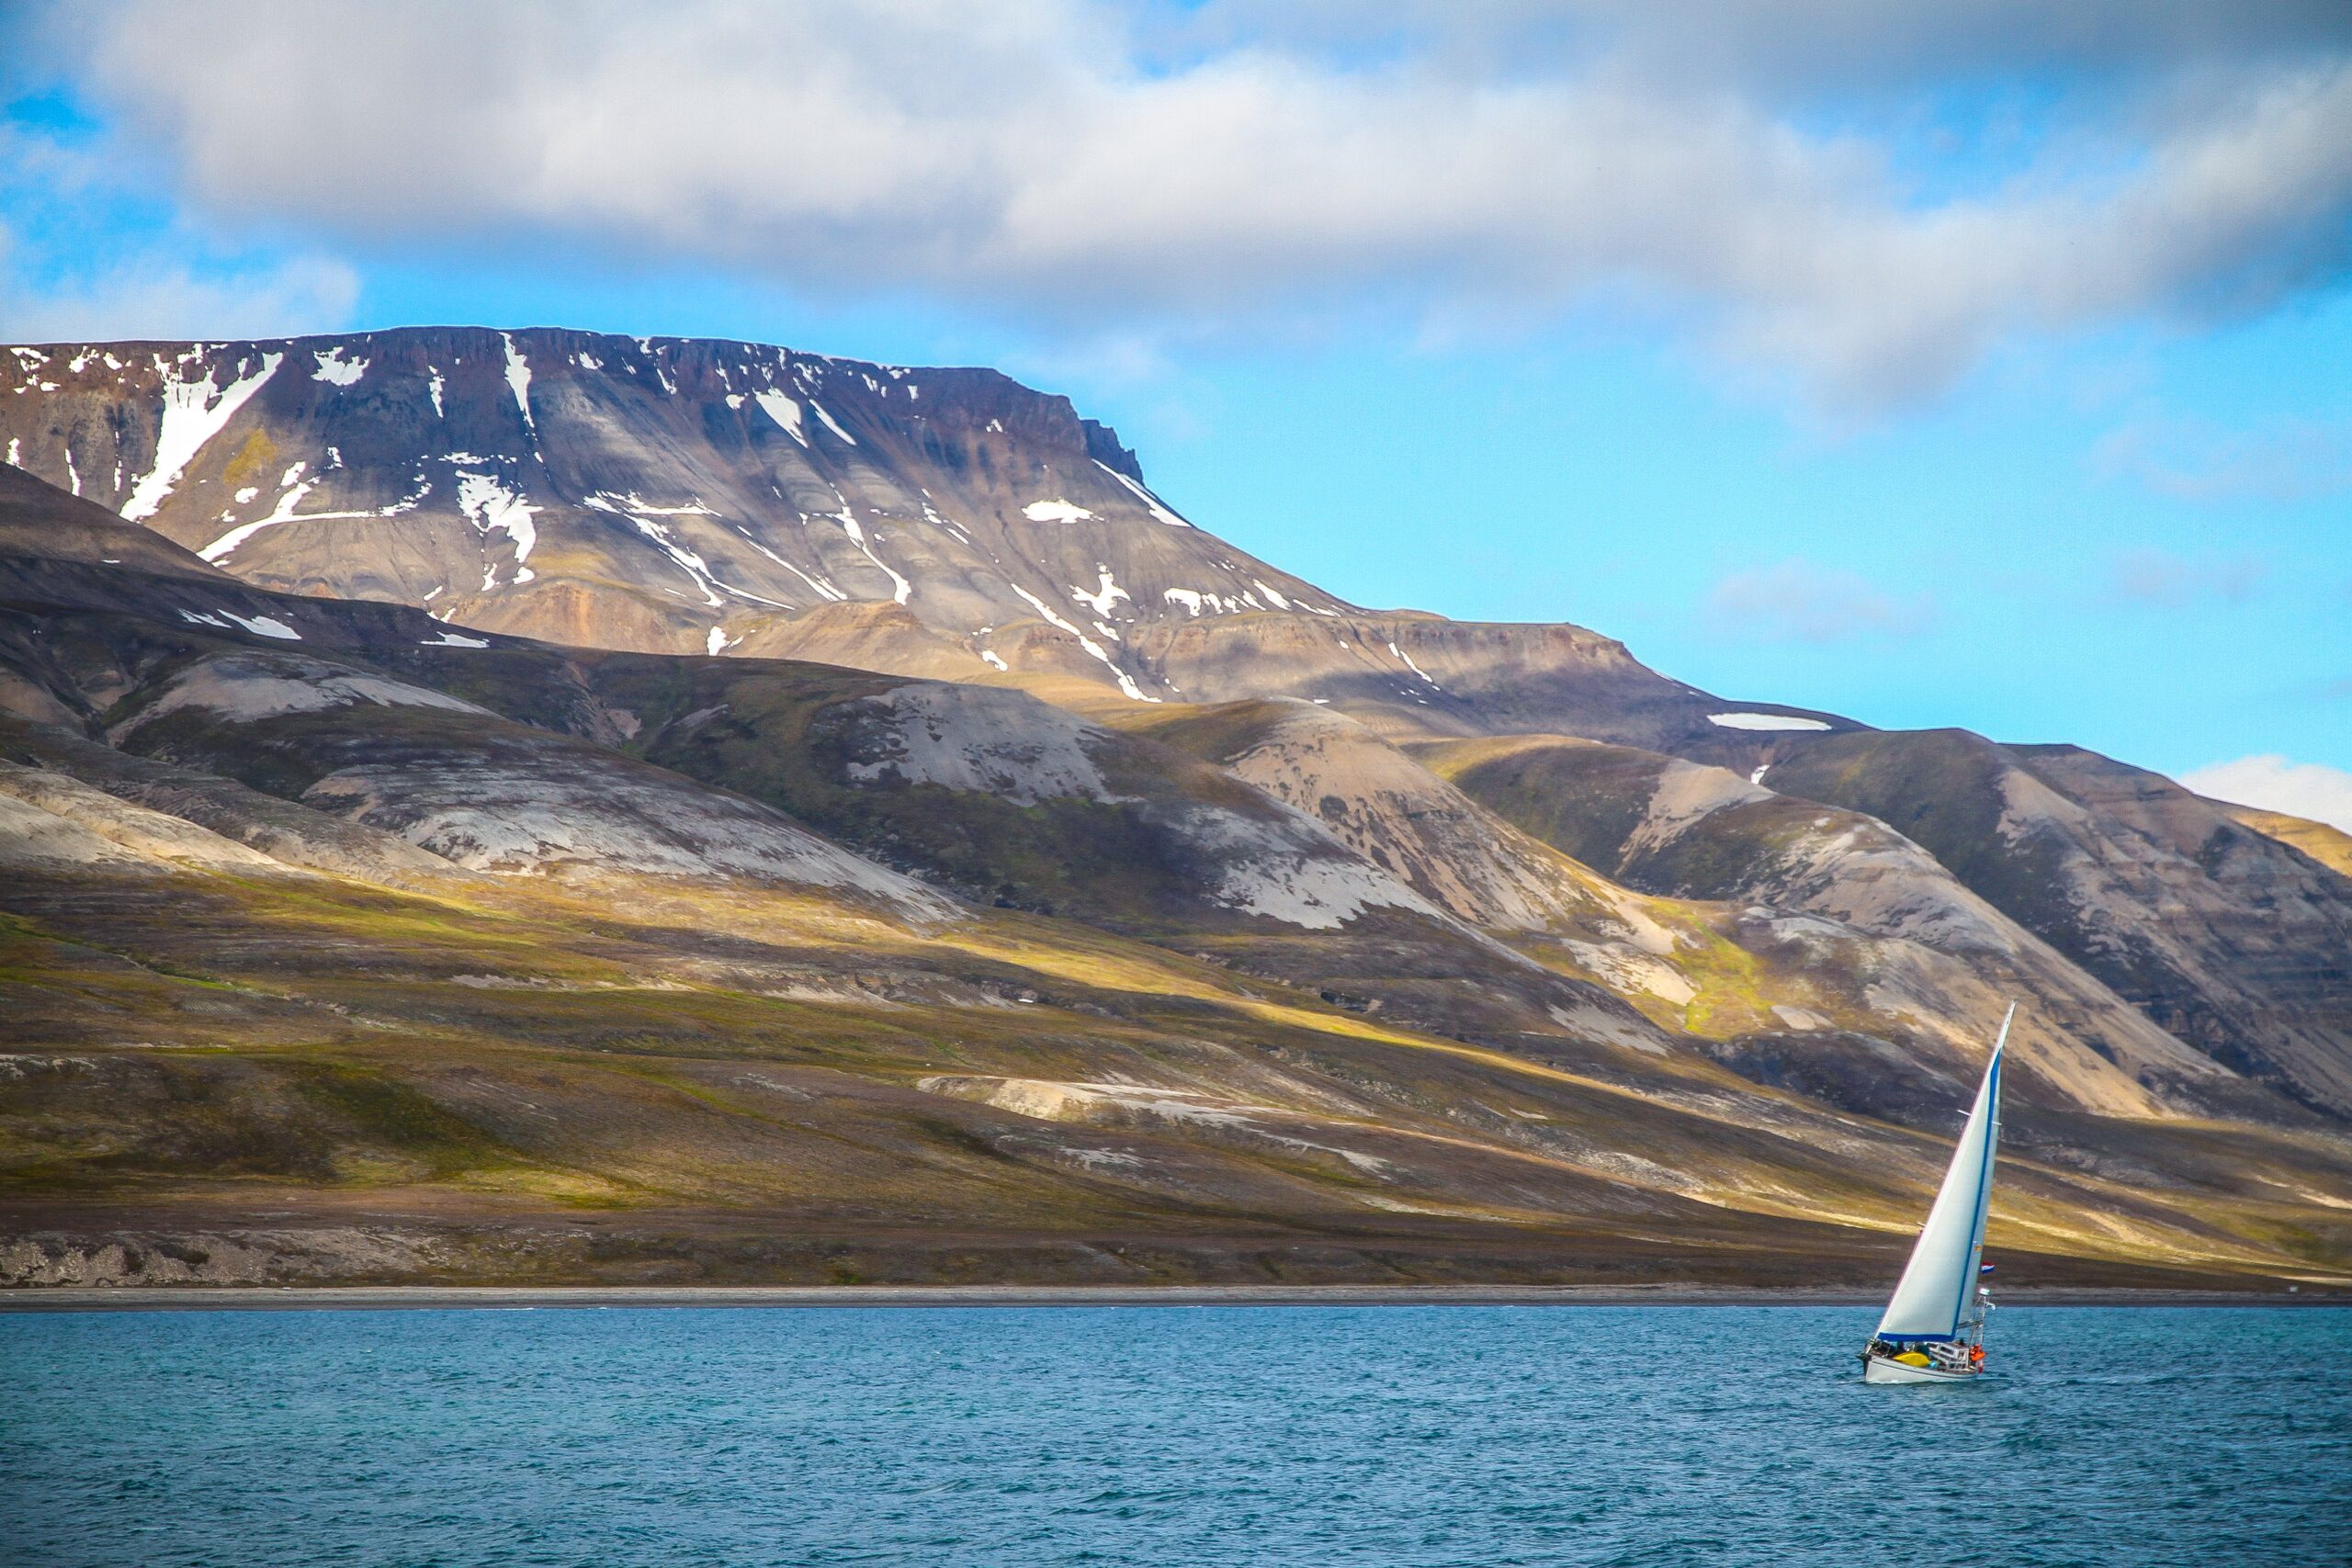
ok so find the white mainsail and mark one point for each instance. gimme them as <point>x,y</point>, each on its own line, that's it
<point>1940,1279</point>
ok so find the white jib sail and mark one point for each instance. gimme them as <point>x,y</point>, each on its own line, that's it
<point>1941,1279</point>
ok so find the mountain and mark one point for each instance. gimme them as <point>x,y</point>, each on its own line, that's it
<point>655,494</point>
<point>677,495</point>
<point>465,869</point>
<point>2232,942</point>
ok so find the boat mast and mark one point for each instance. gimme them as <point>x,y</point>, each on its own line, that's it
<point>1932,1301</point>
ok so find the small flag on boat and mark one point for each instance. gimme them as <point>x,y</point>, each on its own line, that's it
<point>1983,1268</point>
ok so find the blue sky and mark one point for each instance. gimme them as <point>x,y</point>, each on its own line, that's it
<point>1982,370</point>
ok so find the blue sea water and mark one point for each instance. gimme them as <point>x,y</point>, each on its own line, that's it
<point>1010,1437</point>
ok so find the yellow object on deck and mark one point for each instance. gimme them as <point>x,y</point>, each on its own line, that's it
<point>1913,1358</point>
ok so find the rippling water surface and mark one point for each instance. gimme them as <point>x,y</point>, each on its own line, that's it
<point>1403,1437</point>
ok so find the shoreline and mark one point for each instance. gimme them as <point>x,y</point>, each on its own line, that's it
<point>498,1298</point>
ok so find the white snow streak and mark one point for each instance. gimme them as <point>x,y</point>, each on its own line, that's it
<point>518,377</point>
<point>1055,511</point>
<point>1415,668</point>
<point>266,626</point>
<point>900,588</point>
<point>294,488</point>
<point>822,589</point>
<point>1126,682</point>
<point>832,423</point>
<point>647,520</point>
<point>193,413</point>
<point>1158,508</point>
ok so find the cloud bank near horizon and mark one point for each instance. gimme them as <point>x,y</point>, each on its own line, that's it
<point>1735,171</point>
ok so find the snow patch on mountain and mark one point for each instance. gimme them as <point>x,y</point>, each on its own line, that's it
<point>489,505</point>
<point>1415,668</point>
<point>251,686</point>
<point>292,488</point>
<point>518,379</point>
<point>784,411</point>
<point>193,413</point>
<point>900,589</point>
<point>1105,592</point>
<point>334,367</point>
<point>694,566</point>
<point>1764,721</point>
<point>820,586</point>
<point>266,626</point>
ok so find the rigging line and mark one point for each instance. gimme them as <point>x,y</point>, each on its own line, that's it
<point>1985,1170</point>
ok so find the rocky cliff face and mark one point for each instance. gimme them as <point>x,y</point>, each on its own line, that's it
<point>675,495</point>
<point>653,493</point>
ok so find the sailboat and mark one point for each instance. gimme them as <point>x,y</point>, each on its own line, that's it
<point>1934,1327</point>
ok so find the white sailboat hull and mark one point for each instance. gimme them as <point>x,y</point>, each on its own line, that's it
<point>1877,1369</point>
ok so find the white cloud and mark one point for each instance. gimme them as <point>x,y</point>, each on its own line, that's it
<point>2301,460</point>
<point>2311,790</point>
<point>66,272</point>
<point>156,297</point>
<point>1035,156</point>
<point>2163,579</point>
<point>1796,601</point>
